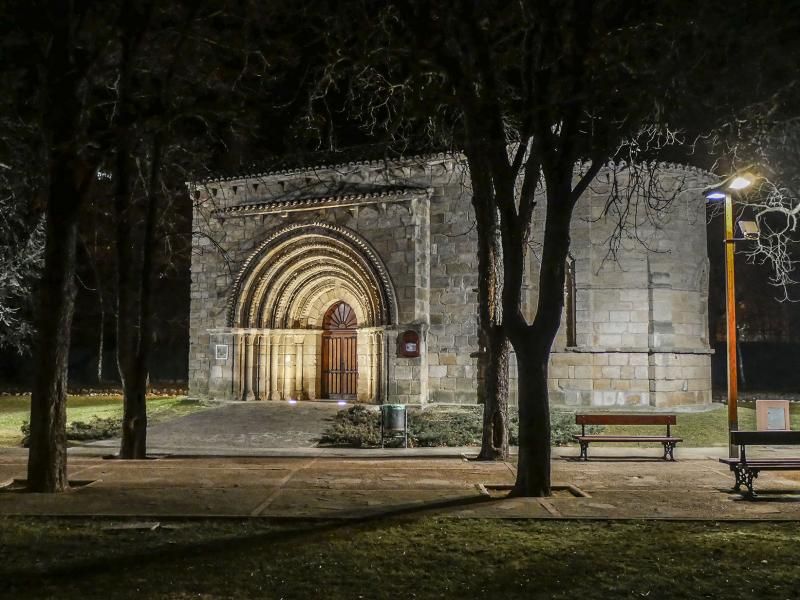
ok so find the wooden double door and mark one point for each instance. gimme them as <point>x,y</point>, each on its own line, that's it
<point>339,365</point>
<point>339,354</point>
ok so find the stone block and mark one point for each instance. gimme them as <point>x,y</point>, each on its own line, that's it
<point>437,371</point>
<point>618,358</point>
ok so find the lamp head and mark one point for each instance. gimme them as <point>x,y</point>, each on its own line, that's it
<point>733,183</point>
<point>716,194</point>
<point>740,182</point>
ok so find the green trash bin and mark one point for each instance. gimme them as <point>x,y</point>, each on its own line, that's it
<point>394,423</point>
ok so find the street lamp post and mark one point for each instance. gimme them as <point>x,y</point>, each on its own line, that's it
<point>724,191</point>
<point>730,335</point>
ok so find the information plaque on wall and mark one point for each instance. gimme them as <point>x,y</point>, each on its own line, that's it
<point>221,351</point>
<point>772,415</point>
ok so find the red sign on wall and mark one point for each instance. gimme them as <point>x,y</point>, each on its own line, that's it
<point>409,344</point>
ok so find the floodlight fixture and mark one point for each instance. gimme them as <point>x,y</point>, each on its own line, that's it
<point>749,229</point>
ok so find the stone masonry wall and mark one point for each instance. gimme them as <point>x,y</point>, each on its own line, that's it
<point>641,315</point>
<point>641,319</point>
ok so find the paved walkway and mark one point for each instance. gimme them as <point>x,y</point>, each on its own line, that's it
<point>240,426</point>
<point>296,486</point>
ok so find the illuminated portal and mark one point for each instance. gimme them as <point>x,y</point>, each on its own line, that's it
<point>307,313</point>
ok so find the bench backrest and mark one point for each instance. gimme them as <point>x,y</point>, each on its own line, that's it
<point>765,438</point>
<point>612,419</point>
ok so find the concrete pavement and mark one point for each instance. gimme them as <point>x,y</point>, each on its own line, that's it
<point>364,486</point>
<point>240,426</point>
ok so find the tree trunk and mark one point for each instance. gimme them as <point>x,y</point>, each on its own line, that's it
<point>134,430</point>
<point>532,343</point>
<point>494,441</point>
<point>134,419</point>
<point>493,354</point>
<point>47,457</point>
<point>101,303</point>
<point>132,445</point>
<point>133,254</point>
<point>101,339</point>
<point>533,468</point>
<point>133,376</point>
<point>69,179</point>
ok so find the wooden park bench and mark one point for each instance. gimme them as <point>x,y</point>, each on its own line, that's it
<point>746,470</point>
<point>668,440</point>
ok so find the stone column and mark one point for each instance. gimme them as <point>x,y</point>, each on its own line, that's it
<point>286,359</point>
<point>311,364</point>
<point>383,366</point>
<point>237,385</point>
<point>298,369</point>
<point>371,368</point>
<point>274,393</point>
<point>362,362</point>
<point>263,358</point>
<point>247,380</point>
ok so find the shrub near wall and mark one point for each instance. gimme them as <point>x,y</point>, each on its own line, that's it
<point>435,426</point>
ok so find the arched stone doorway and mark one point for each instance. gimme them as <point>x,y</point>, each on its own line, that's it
<point>309,311</point>
<point>339,353</point>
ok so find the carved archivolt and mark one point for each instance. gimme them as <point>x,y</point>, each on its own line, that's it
<point>303,268</point>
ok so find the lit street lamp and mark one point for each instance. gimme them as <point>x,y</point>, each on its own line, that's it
<point>724,191</point>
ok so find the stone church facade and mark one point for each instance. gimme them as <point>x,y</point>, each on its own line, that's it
<point>358,282</point>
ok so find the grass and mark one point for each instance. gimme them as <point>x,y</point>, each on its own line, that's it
<point>425,558</point>
<point>14,410</point>
<point>705,429</point>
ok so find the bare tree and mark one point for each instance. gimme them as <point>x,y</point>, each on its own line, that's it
<point>62,41</point>
<point>772,152</point>
<point>544,95</point>
<point>21,254</point>
<point>155,99</point>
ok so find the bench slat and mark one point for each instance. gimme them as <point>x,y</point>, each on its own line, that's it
<point>765,438</point>
<point>772,464</point>
<point>762,461</point>
<point>627,419</point>
<point>627,438</point>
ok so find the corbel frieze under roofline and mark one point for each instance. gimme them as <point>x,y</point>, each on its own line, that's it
<point>323,202</point>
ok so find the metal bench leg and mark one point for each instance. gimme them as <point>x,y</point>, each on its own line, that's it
<point>749,476</point>
<point>669,449</point>
<point>584,450</point>
<point>744,477</point>
<point>738,473</point>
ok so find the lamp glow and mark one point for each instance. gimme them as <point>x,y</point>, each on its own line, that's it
<point>739,183</point>
<point>341,403</point>
<point>715,195</point>
<point>292,401</point>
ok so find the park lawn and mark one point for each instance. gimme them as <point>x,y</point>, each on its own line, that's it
<point>704,429</point>
<point>389,558</point>
<point>14,410</point>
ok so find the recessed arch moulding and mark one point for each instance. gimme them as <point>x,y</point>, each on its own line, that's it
<point>279,299</point>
